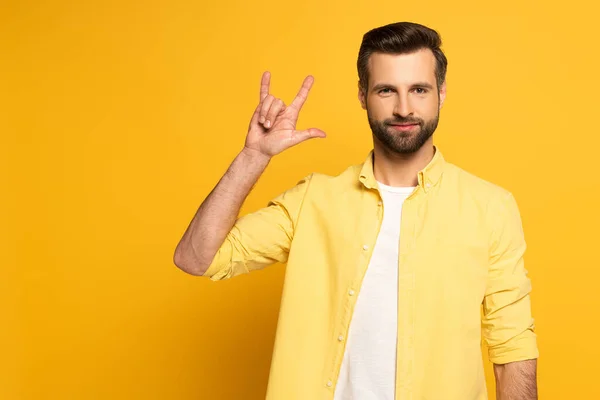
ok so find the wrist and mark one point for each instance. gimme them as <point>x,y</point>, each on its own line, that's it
<point>255,156</point>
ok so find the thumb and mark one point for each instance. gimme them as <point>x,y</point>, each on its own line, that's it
<point>306,134</point>
<point>315,132</point>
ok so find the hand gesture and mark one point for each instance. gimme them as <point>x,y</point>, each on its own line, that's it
<point>273,125</point>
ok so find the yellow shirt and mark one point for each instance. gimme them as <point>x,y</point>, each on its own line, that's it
<point>461,247</point>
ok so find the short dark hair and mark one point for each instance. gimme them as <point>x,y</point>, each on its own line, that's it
<point>400,38</point>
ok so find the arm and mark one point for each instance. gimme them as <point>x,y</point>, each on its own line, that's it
<point>508,327</point>
<point>516,380</point>
<point>272,129</point>
<point>217,214</point>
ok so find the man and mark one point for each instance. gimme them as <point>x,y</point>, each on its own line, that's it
<point>388,263</point>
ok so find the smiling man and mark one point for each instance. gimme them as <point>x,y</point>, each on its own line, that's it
<point>390,263</point>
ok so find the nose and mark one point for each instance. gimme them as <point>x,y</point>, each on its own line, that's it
<point>402,107</point>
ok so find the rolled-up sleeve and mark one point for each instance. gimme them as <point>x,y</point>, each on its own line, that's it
<point>507,324</point>
<point>260,238</point>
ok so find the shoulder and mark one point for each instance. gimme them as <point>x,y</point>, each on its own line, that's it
<point>321,183</point>
<point>474,184</point>
<point>494,200</point>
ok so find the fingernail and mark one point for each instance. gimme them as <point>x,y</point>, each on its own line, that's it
<point>268,123</point>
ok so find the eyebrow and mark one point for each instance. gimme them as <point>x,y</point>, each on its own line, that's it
<point>380,86</point>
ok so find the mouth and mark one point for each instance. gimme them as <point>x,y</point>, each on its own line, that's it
<point>403,127</point>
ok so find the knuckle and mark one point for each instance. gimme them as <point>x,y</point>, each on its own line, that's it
<point>275,107</point>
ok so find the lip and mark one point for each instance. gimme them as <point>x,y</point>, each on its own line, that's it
<point>403,127</point>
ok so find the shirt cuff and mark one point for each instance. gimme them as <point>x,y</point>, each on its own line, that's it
<point>520,348</point>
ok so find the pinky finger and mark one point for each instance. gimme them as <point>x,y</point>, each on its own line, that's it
<point>256,115</point>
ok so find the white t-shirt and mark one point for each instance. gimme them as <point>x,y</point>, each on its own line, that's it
<point>368,370</point>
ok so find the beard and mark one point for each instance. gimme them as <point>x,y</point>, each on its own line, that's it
<point>403,142</point>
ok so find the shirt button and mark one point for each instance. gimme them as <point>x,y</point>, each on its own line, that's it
<point>351,292</point>
<point>340,338</point>
<point>365,247</point>
<point>428,184</point>
<point>379,203</point>
<point>329,383</point>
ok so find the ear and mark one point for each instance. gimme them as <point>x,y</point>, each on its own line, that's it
<point>362,97</point>
<point>442,94</point>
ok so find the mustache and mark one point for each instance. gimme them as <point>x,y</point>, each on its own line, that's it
<point>396,121</point>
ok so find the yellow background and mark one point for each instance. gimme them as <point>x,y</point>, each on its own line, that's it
<point>118,118</point>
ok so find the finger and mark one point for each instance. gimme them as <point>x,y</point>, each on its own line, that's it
<point>264,85</point>
<point>275,109</point>
<point>256,115</point>
<point>301,136</point>
<point>266,105</point>
<point>303,93</point>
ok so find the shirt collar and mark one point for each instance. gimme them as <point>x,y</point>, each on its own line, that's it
<point>427,178</point>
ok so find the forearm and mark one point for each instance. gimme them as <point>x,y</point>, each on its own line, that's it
<point>516,380</point>
<point>217,214</point>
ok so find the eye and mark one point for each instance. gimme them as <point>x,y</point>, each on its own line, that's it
<point>422,90</point>
<point>385,90</point>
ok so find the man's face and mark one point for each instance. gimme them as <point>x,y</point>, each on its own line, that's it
<point>402,100</point>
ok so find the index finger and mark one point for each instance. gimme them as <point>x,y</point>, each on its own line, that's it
<point>264,85</point>
<point>303,93</point>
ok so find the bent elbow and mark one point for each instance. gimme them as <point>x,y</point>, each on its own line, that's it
<point>187,263</point>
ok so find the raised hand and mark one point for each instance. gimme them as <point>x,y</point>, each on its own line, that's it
<point>273,126</point>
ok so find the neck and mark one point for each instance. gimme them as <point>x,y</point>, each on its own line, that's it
<point>401,170</point>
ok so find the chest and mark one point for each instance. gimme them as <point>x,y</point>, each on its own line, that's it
<point>439,243</point>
